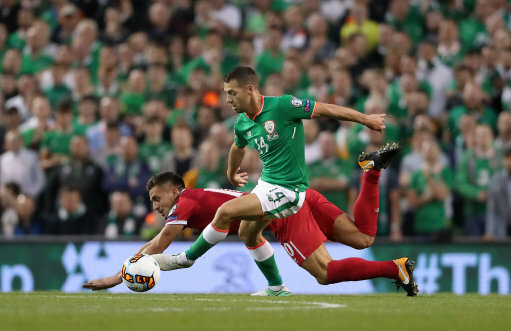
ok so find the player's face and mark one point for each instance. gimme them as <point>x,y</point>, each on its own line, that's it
<point>163,198</point>
<point>237,96</point>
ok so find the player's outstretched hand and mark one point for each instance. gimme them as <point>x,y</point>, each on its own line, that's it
<point>375,122</point>
<point>239,179</point>
<point>103,283</point>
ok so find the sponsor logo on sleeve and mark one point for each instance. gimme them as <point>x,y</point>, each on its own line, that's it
<point>296,102</point>
<point>307,106</point>
<point>171,218</point>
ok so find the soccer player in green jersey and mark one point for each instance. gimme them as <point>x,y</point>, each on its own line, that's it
<point>273,126</point>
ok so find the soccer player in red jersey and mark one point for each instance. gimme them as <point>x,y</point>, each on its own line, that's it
<point>302,235</point>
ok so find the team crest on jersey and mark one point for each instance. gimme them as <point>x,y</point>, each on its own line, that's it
<point>249,134</point>
<point>269,126</point>
<point>296,102</point>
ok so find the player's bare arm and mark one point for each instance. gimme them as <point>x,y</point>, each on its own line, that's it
<point>373,122</point>
<point>156,246</point>
<point>236,155</point>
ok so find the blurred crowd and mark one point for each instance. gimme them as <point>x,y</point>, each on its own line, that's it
<point>96,96</point>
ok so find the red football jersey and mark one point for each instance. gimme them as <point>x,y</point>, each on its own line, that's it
<point>196,208</point>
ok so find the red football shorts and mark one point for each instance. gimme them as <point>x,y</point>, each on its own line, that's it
<point>299,234</point>
<point>324,211</point>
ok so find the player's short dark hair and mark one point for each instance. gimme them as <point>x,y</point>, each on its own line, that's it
<point>165,177</point>
<point>243,75</point>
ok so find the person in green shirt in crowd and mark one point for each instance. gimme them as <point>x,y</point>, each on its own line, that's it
<point>406,18</point>
<point>157,87</point>
<point>473,176</point>
<point>34,129</point>
<point>120,220</point>
<point>18,38</point>
<point>210,173</point>
<point>472,29</point>
<point>55,144</point>
<point>271,59</point>
<point>34,59</point>
<point>107,85</point>
<point>59,90</point>
<point>428,190</point>
<point>153,149</point>
<point>132,99</point>
<point>87,114</point>
<point>473,104</point>
<point>449,48</point>
<point>330,175</point>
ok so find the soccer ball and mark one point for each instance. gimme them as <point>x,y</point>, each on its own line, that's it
<point>140,272</point>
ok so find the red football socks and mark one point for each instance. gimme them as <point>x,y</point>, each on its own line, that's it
<point>355,268</point>
<point>365,210</point>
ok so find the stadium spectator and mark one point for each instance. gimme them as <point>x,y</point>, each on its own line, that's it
<point>210,172</point>
<point>25,19</point>
<point>473,175</point>
<point>18,216</point>
<point>330,175</point>
<point>473,104</point>
<point>80,172</point>
<point>359,22</point>
<point>498,214</point>
<point>108,112</point>
<point>438,75</point>
<point>111,151</point>
<point>128,174</point>
<point>87,114</point>
<point>72,217</point>
<point>320,48</point>
<point>429,190</point>
<point>21,166</point>
<point>120,220</point>
<point>115,32</point>
<point>68,19</point>
<point>28,89</point>
<point>184,156</point>
<point>54,146</point>
<point>504,130</point>
<point>153,149</point>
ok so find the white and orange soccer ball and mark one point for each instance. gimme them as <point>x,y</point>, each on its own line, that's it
<point>140,272</point>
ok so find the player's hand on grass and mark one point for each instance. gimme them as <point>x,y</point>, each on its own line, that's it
<point>375,122</point>
<point>239,179</point>
<point>103,283</point>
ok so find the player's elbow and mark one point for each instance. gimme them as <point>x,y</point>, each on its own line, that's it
<point>364,242</point>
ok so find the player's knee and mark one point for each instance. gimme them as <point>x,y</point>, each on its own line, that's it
<point>224,213</point>
<point>322,278</point>
<point>247,237</point>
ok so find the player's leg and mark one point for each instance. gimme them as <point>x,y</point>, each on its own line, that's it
<point>334,223</point>
<point>246,207</point>
<point>346,232</point>
<point>366,208</point>
<point>327,271</point>
<point>267,201</point>
<point>262,252</point>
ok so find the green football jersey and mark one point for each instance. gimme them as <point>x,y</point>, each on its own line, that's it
<point>276,132</point>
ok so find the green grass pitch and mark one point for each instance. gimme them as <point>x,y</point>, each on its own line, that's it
<point>105,311</point>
